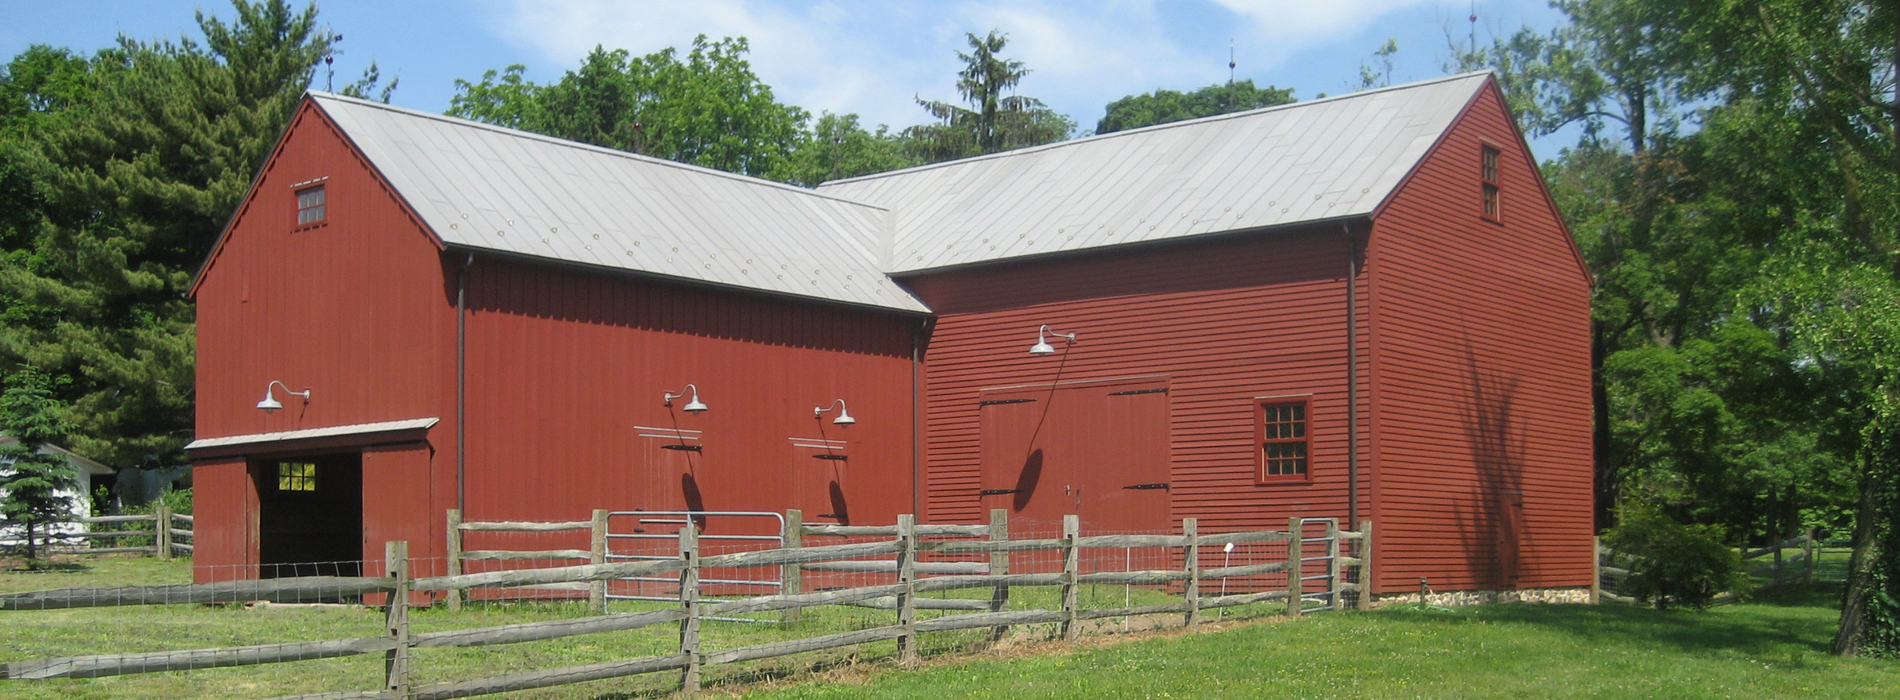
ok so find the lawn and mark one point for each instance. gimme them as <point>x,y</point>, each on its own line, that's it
<point>1774,646</point>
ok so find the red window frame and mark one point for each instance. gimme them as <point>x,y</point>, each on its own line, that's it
<point>1283,440</point>
<point>1491,189</point>
<point>313,203</point>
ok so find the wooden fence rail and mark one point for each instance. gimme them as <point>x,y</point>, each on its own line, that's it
<point>1809,566</point>
<point>912,578</point>
<point>165,543</point>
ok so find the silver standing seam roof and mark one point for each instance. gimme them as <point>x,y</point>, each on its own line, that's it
<point>1325,159</point>
<point>481,186</point>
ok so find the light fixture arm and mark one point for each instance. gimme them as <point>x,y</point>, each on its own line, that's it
<point>1045,329</point>
<point>844,414</point>
<point>270,402</point>
<point>692,406</point>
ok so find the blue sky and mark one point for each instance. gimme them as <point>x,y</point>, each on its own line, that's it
<point>870,58</point>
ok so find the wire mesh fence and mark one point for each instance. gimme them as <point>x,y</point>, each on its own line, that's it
<point>717,609</point>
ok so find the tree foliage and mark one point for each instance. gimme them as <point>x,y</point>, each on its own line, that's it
<point>995,120</point>
<point>706,107</point>
<point>1164,106</point>
<point>838,147</point>
<point>35,489</point>
<point>135,157</point>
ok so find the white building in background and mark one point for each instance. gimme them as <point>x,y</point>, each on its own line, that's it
<point>85,471</point>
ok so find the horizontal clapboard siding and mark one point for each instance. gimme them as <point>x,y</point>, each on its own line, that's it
<point>1481,374</point>
<point>1225,321</point>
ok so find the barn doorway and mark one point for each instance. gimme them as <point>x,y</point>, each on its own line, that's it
<point>310,515</point>
<point>1097,449</point>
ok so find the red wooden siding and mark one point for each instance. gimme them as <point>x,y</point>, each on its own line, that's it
<point>565,366</point>
<point>1219,323</point>
<point>358,310</point>
<point>1481,375</point>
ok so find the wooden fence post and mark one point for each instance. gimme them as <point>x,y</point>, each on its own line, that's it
<point>1071,528</point>
<point>907,600</point>
<point>1338,601</point>
<point>1293,584</point>
<point>597,555</point>
<point>1596,570</point>
<point>454,544</point>
<point>162,529</point>
<point>396,660</point>
<point>1807,550</point>
<point>999,565</point>
<point>1777,581</point>
<point>689,602</point>
<point>792,576</point>
<point>1365,565</point>
<point>1191,561</point>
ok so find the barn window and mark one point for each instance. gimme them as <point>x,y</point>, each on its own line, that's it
<point>1488,172</point>
<point>296,476</point>
<point>1284,438</point>
<point>310,205</point>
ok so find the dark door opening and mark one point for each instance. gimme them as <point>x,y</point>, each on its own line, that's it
<point>310,517</point>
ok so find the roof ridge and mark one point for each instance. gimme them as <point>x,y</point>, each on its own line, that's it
<point>518,133</point>
<point>1159,127</point>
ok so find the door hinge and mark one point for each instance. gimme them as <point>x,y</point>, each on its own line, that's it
<point>999,402</point>
<point>1132,392</point>
<point>1145,487</point>
<point>997,492</point>
<point>834,458</point>
<point>682,448</point>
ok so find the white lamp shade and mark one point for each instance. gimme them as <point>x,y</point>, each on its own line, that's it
<point>1042,348</point>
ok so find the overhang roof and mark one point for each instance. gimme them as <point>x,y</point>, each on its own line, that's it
<point>355,434</point>
<point>487,187</point>
<point>1330,158</point>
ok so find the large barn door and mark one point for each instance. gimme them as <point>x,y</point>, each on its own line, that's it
<point>310,515</point>
<point>818,469</point>
<point>1095,449</point>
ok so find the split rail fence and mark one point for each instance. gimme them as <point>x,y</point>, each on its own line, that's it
<point>1316,572</point>
<point>166,542</point>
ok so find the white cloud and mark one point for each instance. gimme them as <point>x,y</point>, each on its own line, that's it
<point>872,57</point>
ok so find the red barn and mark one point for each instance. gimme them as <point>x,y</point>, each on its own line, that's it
<point>1233,317</point>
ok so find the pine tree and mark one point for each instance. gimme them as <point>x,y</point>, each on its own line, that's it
<point>36,489</point>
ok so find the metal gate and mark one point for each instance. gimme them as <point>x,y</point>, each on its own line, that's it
<point>646,535</point>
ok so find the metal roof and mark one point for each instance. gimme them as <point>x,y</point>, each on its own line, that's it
<point>487,187</point>
<point>308,433</point>
<point>1312,161</point>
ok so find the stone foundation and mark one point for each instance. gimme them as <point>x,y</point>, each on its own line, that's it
<point>1462,598</point>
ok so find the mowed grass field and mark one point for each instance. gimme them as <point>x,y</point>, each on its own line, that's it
<point>1774,646</point>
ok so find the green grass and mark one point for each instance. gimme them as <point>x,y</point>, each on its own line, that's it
<point>1772,647</point>
<point>1765,649</point>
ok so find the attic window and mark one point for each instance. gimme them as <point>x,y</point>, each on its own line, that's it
<point>310,205</point>
<point>1488,173</point>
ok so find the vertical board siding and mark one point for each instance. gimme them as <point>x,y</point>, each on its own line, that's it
<point>1482,375</point>
<point>1223,322</point>
<point>564,363</point>
<point>359,310</point>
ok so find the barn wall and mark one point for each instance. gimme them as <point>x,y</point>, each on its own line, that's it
<point>357,310</point>
<point>567,367</point>
<point>1224,322</point>
<point>1481,375</point>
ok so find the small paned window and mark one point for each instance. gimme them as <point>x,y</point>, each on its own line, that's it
<point>296,476</point>
<point>1284,440</point>
<point>310,205</point>
<point>1488,172</point>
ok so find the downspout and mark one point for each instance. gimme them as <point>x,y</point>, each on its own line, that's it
<point>461,386</point>
<point>1352,377</point>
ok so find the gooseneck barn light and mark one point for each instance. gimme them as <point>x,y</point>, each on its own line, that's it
<point>270,402</point>
<point>1042,346</point>
<point>844,416</point>
<point>693,406</point>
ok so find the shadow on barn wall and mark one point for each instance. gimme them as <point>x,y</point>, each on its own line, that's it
<point>1491,521</point>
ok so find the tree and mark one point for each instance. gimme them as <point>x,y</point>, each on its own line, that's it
<point>133,178</point>
<point>1379,73</point>
<point>995,120</point>
<point>35,489</point>
<point>838,148</point>
<point>707,108</point>
<point>1164,106</point>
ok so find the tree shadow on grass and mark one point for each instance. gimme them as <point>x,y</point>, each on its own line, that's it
<point>1764,629</point>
